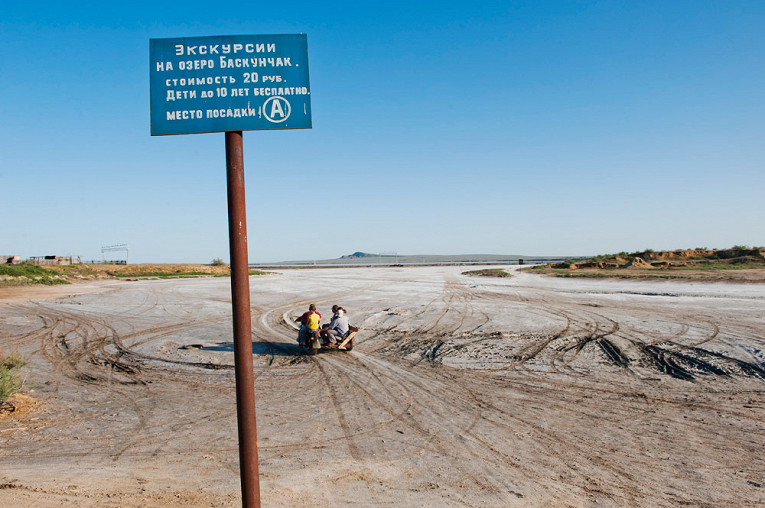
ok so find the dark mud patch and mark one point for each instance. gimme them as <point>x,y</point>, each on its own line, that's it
<point>613,353</point>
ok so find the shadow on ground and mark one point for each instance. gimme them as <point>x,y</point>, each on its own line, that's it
<point>258,348</point>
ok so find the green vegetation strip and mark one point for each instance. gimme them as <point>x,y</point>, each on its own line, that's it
<point>176,274</point>
<point>159,274</point>
<point>488,272</point>
<point>27,273</point>
<point>33,274</point>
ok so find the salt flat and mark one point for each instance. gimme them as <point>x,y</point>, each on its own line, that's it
<point>461,391</point>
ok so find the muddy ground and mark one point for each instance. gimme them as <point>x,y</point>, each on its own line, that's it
<point>461,391</point>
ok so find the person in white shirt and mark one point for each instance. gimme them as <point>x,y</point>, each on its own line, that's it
<point>339,327</point>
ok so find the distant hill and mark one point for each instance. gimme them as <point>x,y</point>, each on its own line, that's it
<point>357,255</point>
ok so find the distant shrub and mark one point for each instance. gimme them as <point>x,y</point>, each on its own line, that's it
<point>10,381</point>
<point>12,361</point>
<point>217,262</point>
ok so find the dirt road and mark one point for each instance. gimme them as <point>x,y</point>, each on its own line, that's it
<point>461,391</point>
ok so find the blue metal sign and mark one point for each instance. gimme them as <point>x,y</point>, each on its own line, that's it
<point>229,83</point>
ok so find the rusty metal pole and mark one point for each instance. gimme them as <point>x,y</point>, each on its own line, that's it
<point>240,301</point>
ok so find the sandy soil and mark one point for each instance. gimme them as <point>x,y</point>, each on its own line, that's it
<point>41,292</point>
<point>461,391</point>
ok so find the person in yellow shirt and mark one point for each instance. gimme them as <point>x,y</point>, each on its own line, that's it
<point>313,319</point>
<point>309,324</point>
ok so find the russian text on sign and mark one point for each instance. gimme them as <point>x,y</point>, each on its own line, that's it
<point>221,83</point>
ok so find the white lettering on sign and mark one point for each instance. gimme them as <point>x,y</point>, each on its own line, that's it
<point>194,81</point>
<point>276,109</point>
<point>287,90</point>
<point>270,62</point>
<point>250,77</point>
<point>232,113</point>
<point>173,95</point>
<point>184,114</point>
<point>228,63</point>
<point>216,49</point>
<point>164,66</point>
<point>196,64</point>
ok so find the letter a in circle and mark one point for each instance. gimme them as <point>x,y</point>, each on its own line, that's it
<point>276,109</point>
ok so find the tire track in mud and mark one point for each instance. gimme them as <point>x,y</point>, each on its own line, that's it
<point>548,342</point>
<point>76,348</point>
<point>25,337</point>
<point>747,368</point>
<point>90,338</point>
<point>400,407</point>
<point>535,306</point>
<point>680,362</point>
<point>276,321</point>
<point>685,327</point>
<point>598,458</point>
<point>677,362</point>
<point>415,315</point>
<point>554,444</point>
<point>531,352</point>
<point>464,400</point>
<point>534,350</point>
<point>334,369</point>
<point>681,355</point>
<point>328,368</point>
<point>712,336</point>
<point>560,397</point>
<point>684,362</point>
<point>94,350</point>
<point>324,362</point>
<point>666,362</point>
<point>70,344</point>
<point>613,352</point>
<point>596,334</point>
<point>349,438</point>
<point>444,438</point>
<point>599,330</point>
<point>451,290</point>
<point>427,338</point>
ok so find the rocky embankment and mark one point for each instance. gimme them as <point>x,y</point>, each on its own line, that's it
<point>693,258</point>
<point>740,264</point>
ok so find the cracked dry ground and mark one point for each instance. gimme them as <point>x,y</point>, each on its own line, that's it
<point>461,391</point>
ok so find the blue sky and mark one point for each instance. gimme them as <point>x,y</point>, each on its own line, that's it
<point>535,128</point>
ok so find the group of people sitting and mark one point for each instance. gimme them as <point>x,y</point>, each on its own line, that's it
<point>330,334</point>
